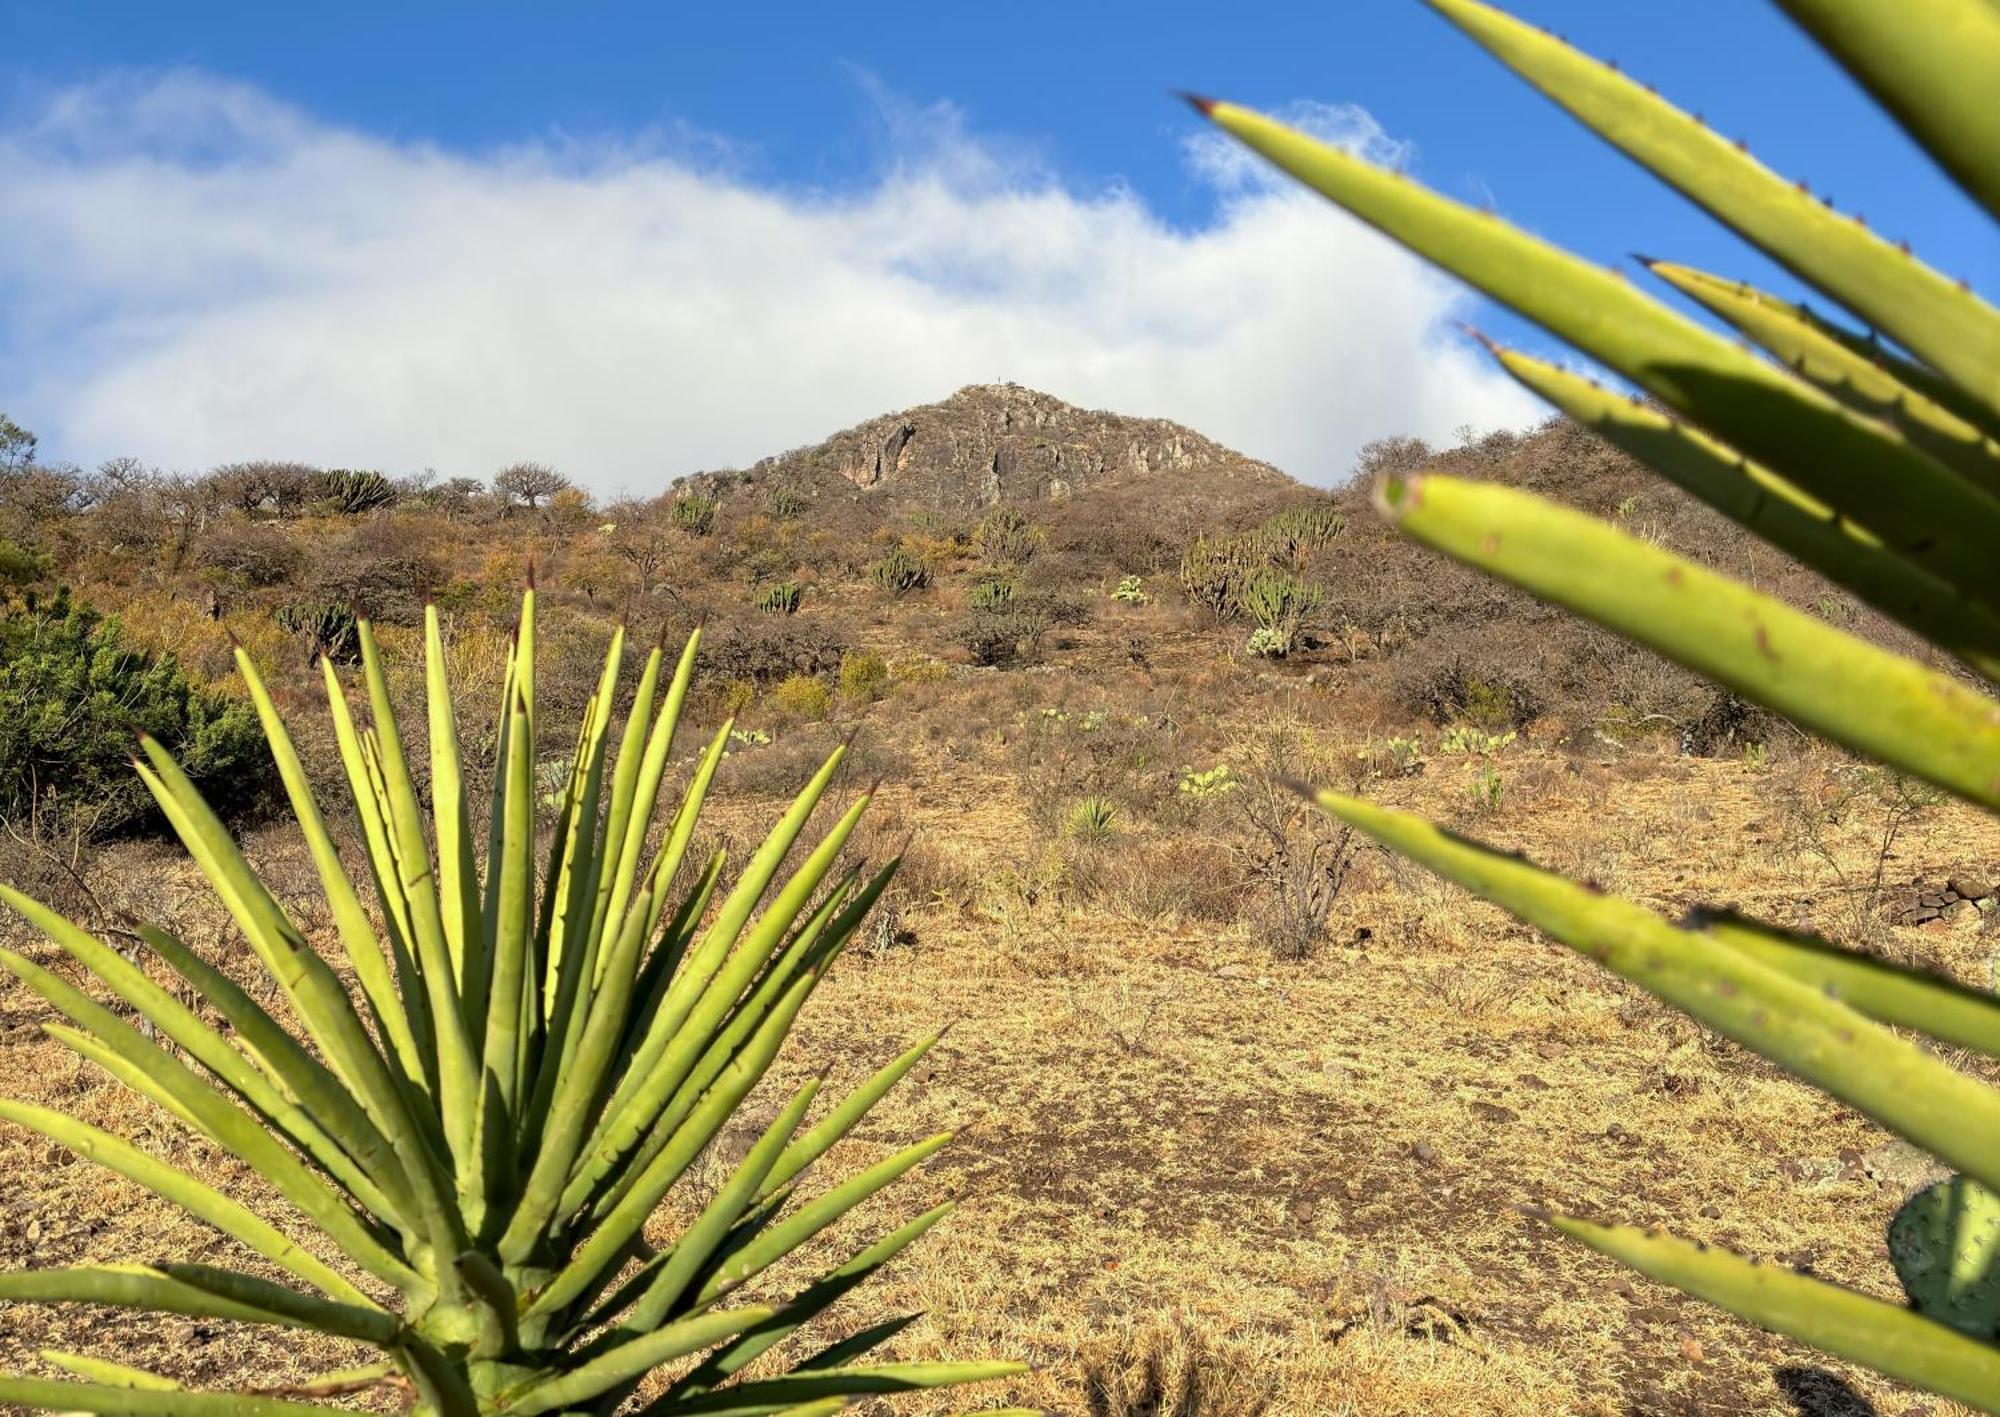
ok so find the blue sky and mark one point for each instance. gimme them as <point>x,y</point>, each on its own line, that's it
<point>236,226</point>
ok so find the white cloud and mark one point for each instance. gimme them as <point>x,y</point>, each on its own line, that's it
<point>192,272</point>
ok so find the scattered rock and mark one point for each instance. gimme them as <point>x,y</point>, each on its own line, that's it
<point>1549,1048</point>
<point>1970,887</point>
<point>1531,1082</point>
<point>1493,1111</point>
<point>1616,1132</point>
<point>1424,1153</point>
<point>1711,1211</point>
<point>1896,1165</point>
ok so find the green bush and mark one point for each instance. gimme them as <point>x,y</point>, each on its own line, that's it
<point>803,696</point>
<point>1005,537</point>
<point>22,565</point>
<point>72,692</point>
<point>864,676</point>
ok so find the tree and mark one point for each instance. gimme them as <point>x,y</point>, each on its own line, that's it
<point>530,483</point>
<point>17,445</point>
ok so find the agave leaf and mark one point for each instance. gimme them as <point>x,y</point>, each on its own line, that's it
<point>1794,1024</point>
<point>203,1202</point>
<point>98,1370</point>
<point>634,1359</point>
<point>622,1221</point>
<point>1836,456</point>
<point>1938,319</point>
<point>856,1345</point>
<point>851,1109</point>
<point>198,1292</point>
<point>457,874</point>
<point>808,1220</point>
<point>349,1140</point>
<point>1771,507</point>
<point>120,1401</point>
<point>1883,991</point>
<point>702,1238</point>
<point>794,1389</point>
<point>154,1073</point>
<point>805,1306</point>
<point>1868,387</point>
<point>1856,693</point>
<point>187,1031</point>
<point>357,935</point>
<point>1929,62</point>
<point>1887,1338</point>
<point>510,984</point>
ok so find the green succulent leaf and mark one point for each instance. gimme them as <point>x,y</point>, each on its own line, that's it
<point>1888,1339</point>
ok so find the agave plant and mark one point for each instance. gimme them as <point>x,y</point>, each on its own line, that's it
<point>1874,461</point>
<point>481,1136</point>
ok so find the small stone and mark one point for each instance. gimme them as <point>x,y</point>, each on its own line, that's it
<point>1303,1211</point>
<point>1493,1111</point>
<point>1549,1048</point>
<point>1803,1258</point>
<point>1922,915</point>
<point>1616,1132</point>
<point>1970,888</point>
<point>1234,971</point>
<point>1691,1349</point>
<point>1711,1211</point>
<point>1934,899</point>
<point>1531,1082</point>
<point>1425,1153</point>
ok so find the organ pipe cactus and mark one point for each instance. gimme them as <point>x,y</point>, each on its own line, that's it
<point>482,1132</point>
<point>1875,466</point>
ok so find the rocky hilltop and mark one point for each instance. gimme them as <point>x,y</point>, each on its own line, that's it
<point>1001,442</point>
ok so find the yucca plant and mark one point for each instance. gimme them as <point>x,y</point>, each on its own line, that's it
<point>482,1135</point>
<point>1873,461</point>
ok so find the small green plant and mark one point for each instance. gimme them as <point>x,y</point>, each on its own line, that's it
<point>1756,757</point>
<point>747,738</point>
<point>864,676</point>
<point>1094,819</point>
<point>693,513</point>
<point>803,696</point>
<point>1208,784</point>
<point>1405,755</point>
<point>1466,740</point>
<point>900,572</point>
<point>1486,788</point>
<point>788,503</point>
<point>484,1137</point>
<point>1131,591</point>
<point>780,599</point>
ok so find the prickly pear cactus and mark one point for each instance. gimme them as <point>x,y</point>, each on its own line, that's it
<point>1944,1243</point>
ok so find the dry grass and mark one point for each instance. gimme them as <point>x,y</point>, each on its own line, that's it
<point>1196,1178</point>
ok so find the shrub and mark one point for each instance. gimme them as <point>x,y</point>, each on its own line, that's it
<point>900,572</point>
<point>251,554</point>
<point>450,1166</point>
<point>22,565</point>
<point>72,691</point>
<point>1740,430</point>
<point>527,483</point>
<point>803,696</point>
<point>1212,573</point>
<point>780,599</point>
<point>693,513</point>
<point>864,676</point>
<point>1131,591</point>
